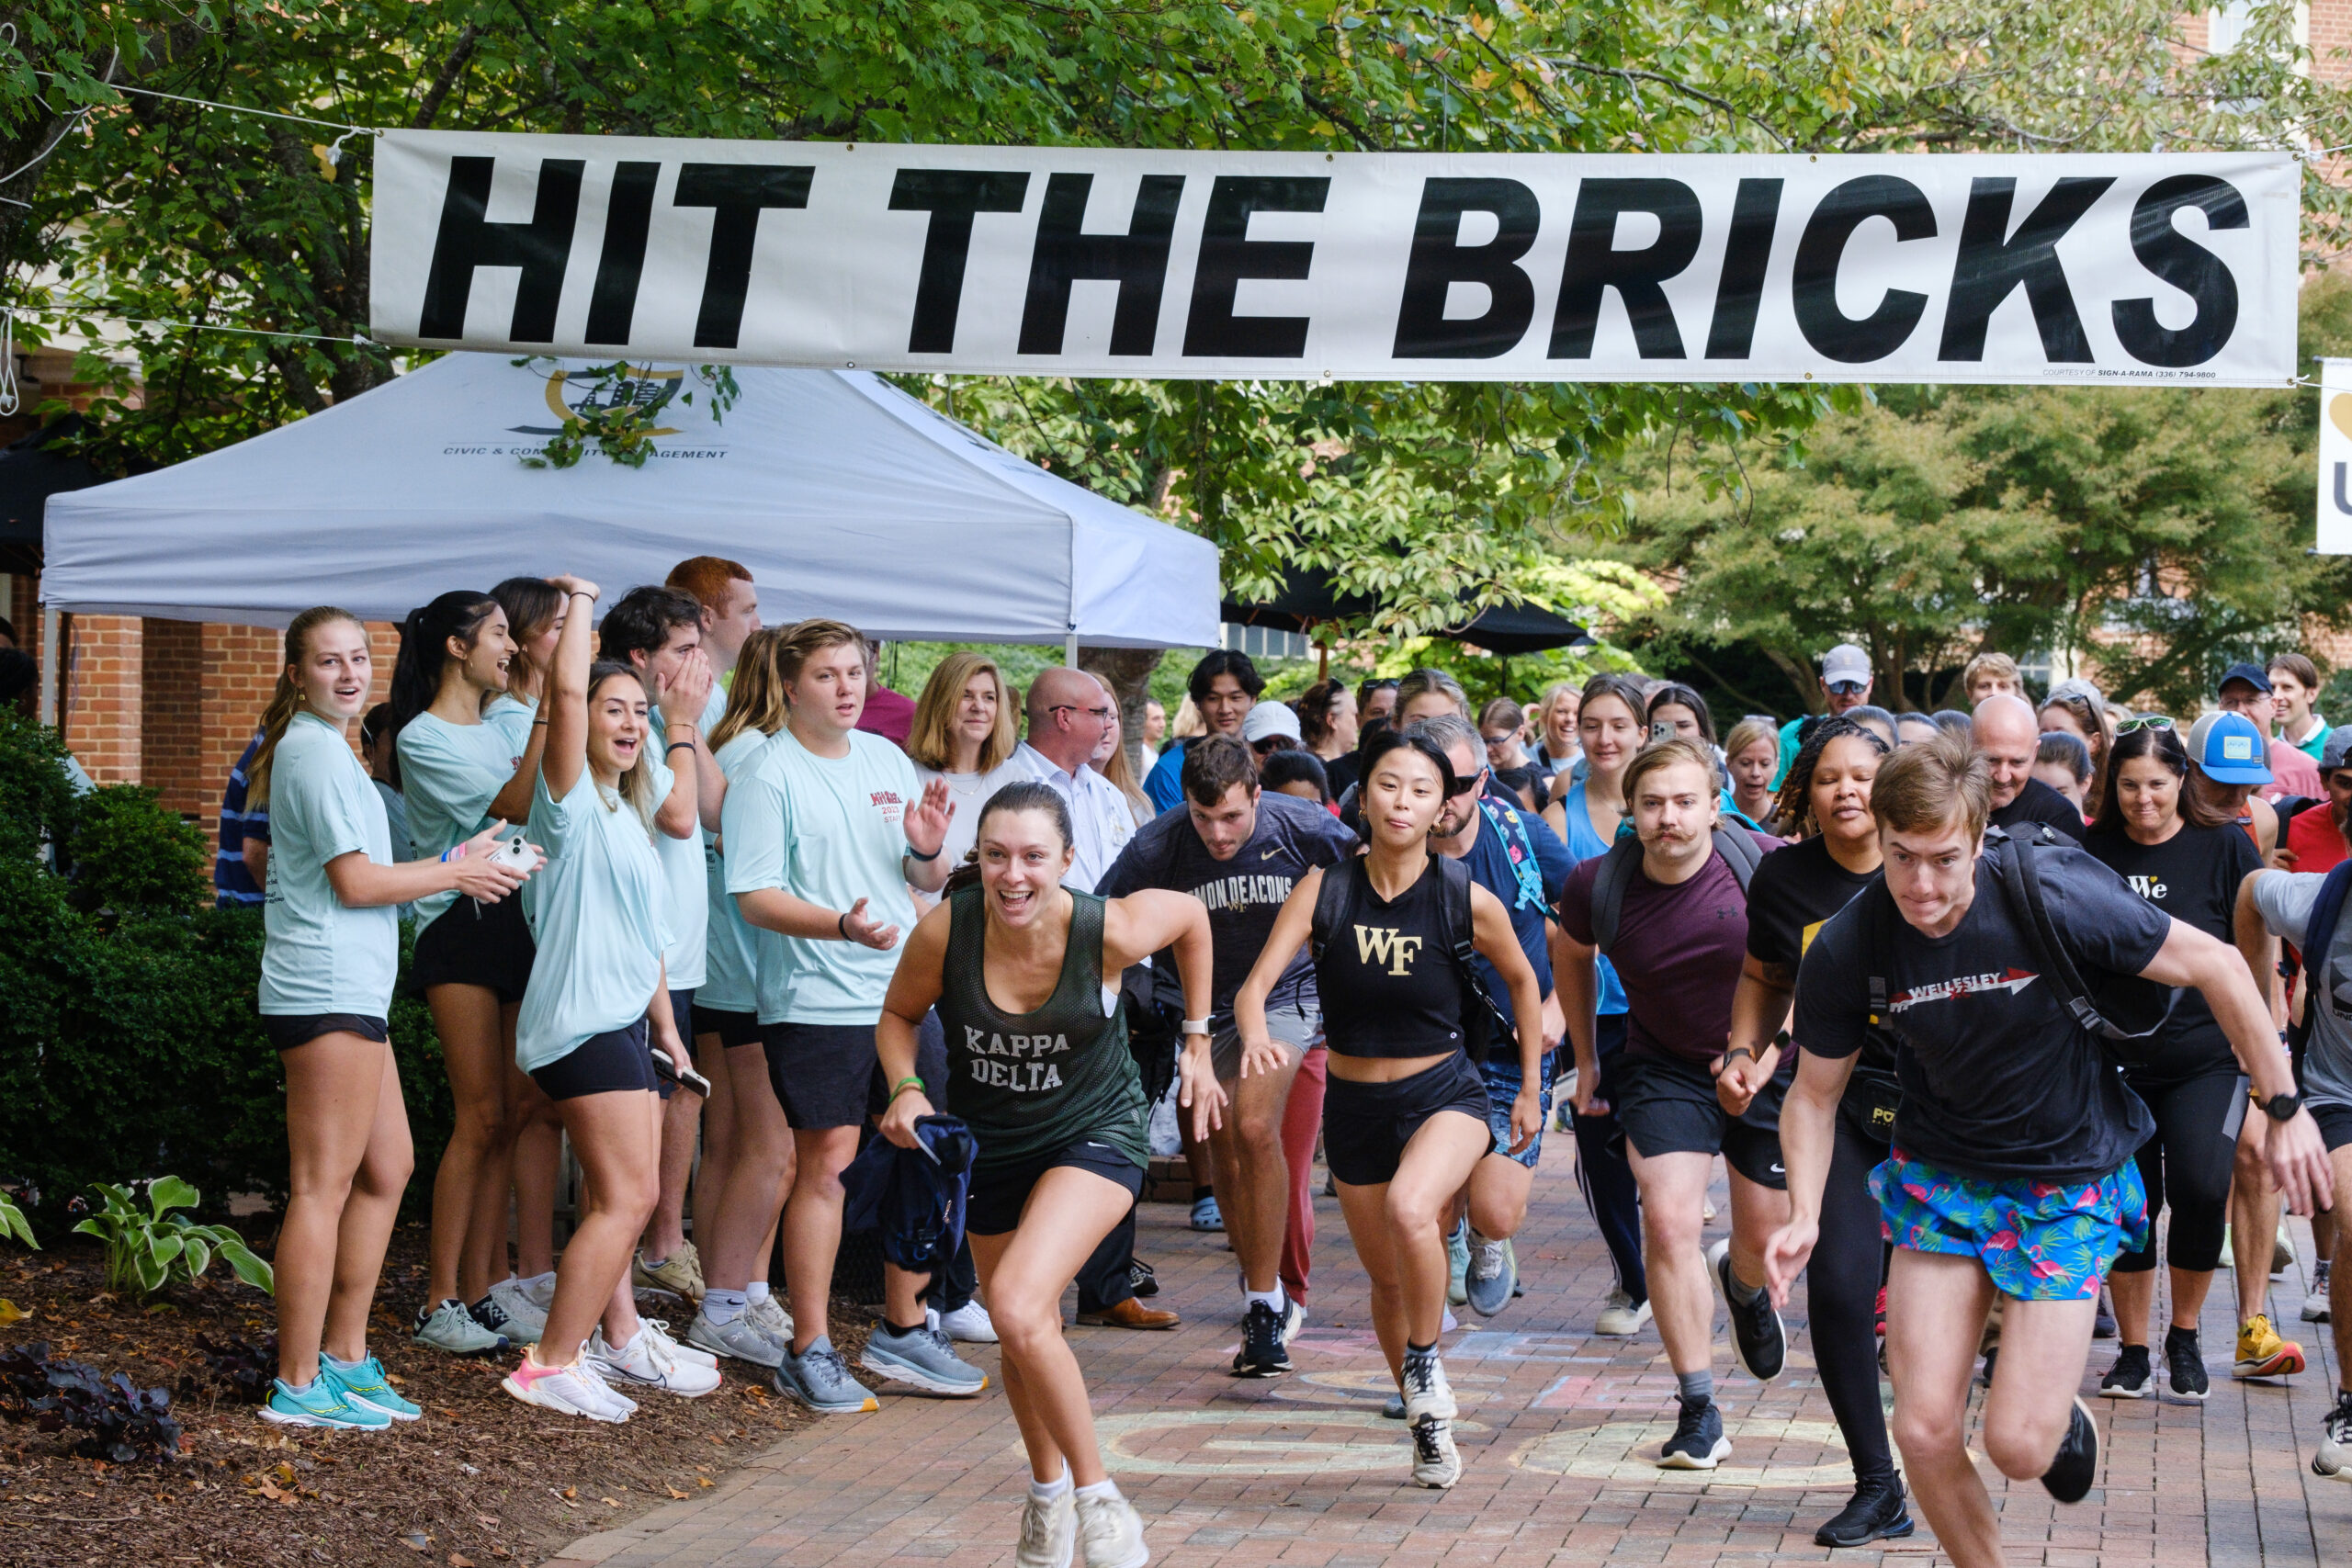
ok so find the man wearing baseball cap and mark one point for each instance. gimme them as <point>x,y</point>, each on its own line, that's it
<point>1845,684</point>
<point>2245,689</point>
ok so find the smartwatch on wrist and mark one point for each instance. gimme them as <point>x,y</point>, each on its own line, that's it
<point>2281,1107</point>
<point>1195,1026</point>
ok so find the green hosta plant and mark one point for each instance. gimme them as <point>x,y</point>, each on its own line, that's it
<point>12,1223</point>
<point>151,1246</point>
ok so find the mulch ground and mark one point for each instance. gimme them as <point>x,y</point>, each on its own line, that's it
<point>481,1479</point>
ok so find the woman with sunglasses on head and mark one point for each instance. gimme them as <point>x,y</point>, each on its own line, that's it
<point>1826,801</point>
<point>327,971</point>
<point>473,959</point>
<point>1056,1106</point>
<point>1404,1112</point>
<point>2186,860</point>
<point>597,1002</point>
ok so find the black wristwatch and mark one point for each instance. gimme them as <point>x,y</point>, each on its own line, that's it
<point>2281,1107</point>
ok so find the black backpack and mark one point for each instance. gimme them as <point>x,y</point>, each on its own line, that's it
<point>1483,1020</point>
<point>2319,974</point>
<point>1739,851</point>
<point>2120,1010</point>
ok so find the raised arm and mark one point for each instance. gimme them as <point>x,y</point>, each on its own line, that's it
<point>564,704</point>
<point>1143,923</point>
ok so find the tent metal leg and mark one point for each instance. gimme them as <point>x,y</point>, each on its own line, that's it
<point>49,674</point>
<point>1070,648</point>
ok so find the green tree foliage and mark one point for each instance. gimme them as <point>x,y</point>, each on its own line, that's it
<point>2162,531</point>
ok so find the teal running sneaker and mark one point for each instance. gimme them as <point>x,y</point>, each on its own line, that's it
<point>321,1404</point>
<point>364,1383</point>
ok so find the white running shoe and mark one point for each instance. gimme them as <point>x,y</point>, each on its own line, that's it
<point>1048,1532</point>
<point>669,1346</point>
<point>1427,1393</point>
<point>740,1336</point>
<point>1110,1533</point>
<point>449,1326</point>
<point>645,1363</point>
<point>769,1316</point>
<point>1621,1318</point>
<point>575,1390</point>
<point>526,1318</point>
<point>1436,1461</point>
<point>969,1323</point>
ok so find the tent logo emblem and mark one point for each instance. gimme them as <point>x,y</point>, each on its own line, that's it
<point>641,386</point>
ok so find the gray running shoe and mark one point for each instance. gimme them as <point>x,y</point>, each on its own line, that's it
<point>1111,1533</point>
<point>525,1319</point>
<point>2315,1305</point>
<point>922,1356</point>
<point>1427,1393</point>
<point>1049,1533</point>
<point>1494,1271</point>
<point>449,1326</point>
<point>1436,1461</point>
<point>768,1313</point>
<point>1457,1265</point>
<point>820,1379</point>
<point>740,1337</point>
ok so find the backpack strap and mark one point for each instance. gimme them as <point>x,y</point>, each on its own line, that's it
<point>1739,852</point>
<point>1877,949</point>
<point>1608,885</point>
<point>1511,828</point>
<point>1482,1016</point>
<point>1333,900</point>
<point>2021,882</point>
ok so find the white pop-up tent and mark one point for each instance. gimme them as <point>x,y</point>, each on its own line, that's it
<point>845,497</point>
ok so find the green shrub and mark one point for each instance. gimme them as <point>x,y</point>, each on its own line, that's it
<point>36,798</point>
<point>130,1040</point>
<point>130,854</point>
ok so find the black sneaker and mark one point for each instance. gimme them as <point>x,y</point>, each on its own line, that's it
<point>1141,1278</point>
<point>1876,1514</point>
<point>491,1317</point>
<point>1758,1341</point>
<point>2070,1474</point>
<point>2127,1378</point>
<point>2185,1363</point>
<point>1698,1442</point>
<point>1262,1352</point>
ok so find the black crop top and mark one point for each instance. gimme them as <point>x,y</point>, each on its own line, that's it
<point>1386,974</point>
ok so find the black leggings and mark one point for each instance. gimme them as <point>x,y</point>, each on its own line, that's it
<point>1841,1302</point>
<point>1604,1175</point>
<point>2188,1164</point>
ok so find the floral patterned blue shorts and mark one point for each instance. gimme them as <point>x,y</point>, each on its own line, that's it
<point>2041,1241</point>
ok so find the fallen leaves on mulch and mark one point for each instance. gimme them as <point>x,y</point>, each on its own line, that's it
<point>482,1481</point>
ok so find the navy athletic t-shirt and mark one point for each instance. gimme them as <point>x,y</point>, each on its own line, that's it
<point>1496,859</point>
<point>1243,893</point>
<point>2000,1082</point>
<point>2037,802</point>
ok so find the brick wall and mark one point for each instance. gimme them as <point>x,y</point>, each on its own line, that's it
<point>99,705</point>
<point>171,724</point>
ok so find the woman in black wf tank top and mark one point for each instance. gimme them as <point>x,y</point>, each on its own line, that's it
<point>1024,972</point>
<point>1405,1112</point>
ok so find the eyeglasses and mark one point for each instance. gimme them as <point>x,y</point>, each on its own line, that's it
<point>1106,714</point>
<point>1847,688</point>
<point>1503,740</point>
<point>2143,721</point>
<point>1458,785</point>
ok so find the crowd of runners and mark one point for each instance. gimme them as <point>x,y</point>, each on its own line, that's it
<point>1963,1001</point>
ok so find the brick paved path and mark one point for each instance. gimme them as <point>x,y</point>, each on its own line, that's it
<point>1303,1470</point>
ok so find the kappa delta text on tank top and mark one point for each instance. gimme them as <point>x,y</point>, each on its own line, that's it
<point>1030,1084</point>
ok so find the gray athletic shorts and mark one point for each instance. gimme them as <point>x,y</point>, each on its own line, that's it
<point>1294,1029</point>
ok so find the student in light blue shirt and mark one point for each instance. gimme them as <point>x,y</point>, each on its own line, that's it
<point>597,1005</point>
<point>326,986</point>
<point>823,837</point>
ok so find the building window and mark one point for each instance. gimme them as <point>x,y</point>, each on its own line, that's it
<point>1258,642</point>
<point>2226,25</point>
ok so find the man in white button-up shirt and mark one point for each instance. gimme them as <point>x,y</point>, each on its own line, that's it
<point>1069,712</point>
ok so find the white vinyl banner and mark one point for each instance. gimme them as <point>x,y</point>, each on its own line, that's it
<point>2335,457</point>
<point>1993,267</point>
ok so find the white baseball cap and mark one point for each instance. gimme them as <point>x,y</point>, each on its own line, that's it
<point>1270,719</point>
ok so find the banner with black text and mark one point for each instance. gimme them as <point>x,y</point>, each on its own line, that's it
<point>1987,267</point>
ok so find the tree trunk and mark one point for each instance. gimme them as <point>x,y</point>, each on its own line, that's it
<point>1129,672</point>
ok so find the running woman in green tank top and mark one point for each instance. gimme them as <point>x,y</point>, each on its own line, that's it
<point>1024,974</point>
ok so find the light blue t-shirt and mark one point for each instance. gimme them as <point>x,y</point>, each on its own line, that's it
<point>603,921</point>
<point>450,773</point>
<point>830,830</point>
<point>688,883</point>
<point>730,974</point>
<point>512,714</point>
<point>1584,843</point>
<point>322,955</point>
